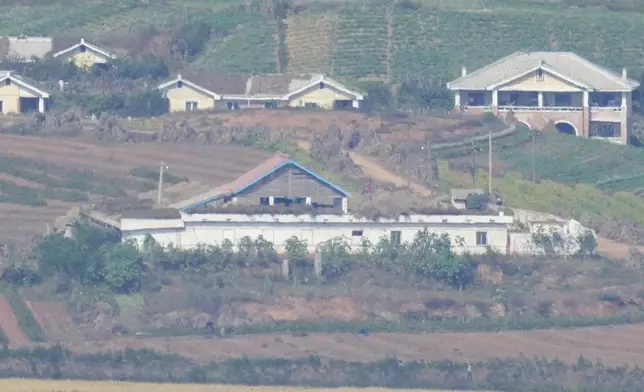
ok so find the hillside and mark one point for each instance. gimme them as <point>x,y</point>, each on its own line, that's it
<point>431,39</point>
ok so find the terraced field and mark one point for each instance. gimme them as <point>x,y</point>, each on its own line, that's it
<point>42,179</point>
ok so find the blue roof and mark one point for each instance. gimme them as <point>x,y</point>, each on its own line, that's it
<point>288,162</point>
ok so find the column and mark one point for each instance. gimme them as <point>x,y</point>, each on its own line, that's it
<point>41,105</point>
<point>271,201</point>
<point>308,201</point>
<point>356,104</point>
<point>625,118</point>
<point>586,121</point>
<point>540,99</point>
<point>495,102</point>
<point>345,205</point>
<point>457,99</point>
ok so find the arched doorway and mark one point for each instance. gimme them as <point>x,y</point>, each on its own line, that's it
<point>524,124</point>
<point>566,127</point>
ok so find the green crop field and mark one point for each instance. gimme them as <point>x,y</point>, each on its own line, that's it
<point>427,38</point>
<point>565,159</point>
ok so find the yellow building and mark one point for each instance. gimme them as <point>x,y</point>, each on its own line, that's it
<point>85,55</point>
<point>203,90</point>
<point>19,95</point>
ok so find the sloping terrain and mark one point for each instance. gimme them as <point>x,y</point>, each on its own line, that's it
<point>65,173</point>
<point>9,325</point>
<point>616,345</point>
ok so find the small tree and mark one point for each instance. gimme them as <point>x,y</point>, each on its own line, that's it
<point>123,267</point>
<point>587,244</point>
<point>336,254</point>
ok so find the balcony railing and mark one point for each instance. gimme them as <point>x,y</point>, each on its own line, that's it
<point>605,109</point>
<point>539,109</point>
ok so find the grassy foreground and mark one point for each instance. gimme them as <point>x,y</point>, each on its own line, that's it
<point>27,385</point>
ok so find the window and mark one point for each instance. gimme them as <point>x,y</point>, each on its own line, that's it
<point>270,105</point>
<point>539,75</point>
<point>475,99</point>
<point>356,233</point>
<point>82,48</point>
<point>191,106</point>
<point>395,238</point>
<point>481,238</point>
<point>321,85</point>
<point>563,99</point>
<point>179,84</point>
<point>1,107</point>
<point>310,105</point>
<point>605,129</point>
<point>263,201</point>
<point>232,105</point>
<point>8,82</point>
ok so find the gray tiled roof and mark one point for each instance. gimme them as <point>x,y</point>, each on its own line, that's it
<point>567,64</point>
<point>24,48</point>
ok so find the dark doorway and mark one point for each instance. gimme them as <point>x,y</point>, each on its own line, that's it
<point>342,104</point>
<point>28,105</point>
<point>566,128</point>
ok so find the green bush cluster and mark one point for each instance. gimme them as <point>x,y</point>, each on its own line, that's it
<point>529,374</point>
<point>149,103</point>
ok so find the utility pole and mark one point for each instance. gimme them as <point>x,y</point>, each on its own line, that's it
<point>161,168</point>
<point>534,171</point>
<point>489,165</point>
<point>473,165</point>
<point>407,155</point>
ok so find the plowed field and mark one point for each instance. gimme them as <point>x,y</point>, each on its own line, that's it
<point>35,171</point>
<point>615,345</point>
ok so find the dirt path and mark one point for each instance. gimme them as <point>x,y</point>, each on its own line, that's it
<point>615,345</point>
<point>374,170</point>
<point>9,325</point>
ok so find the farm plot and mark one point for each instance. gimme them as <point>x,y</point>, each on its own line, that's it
<point>360,43</point>
<point>439,42</point>
<point>43,178</point>
<point>616,345</point>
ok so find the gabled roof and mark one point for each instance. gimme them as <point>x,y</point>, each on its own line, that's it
<point>24,82</point>
<point>239,86</point>
<point>89,46</point>
<point>24,48</point>
<point>250,178</point>
<point>565,65</point>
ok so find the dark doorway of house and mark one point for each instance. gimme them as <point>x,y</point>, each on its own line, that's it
<point>28,105</point>
<point>565,128</point>
<point>342,104</point>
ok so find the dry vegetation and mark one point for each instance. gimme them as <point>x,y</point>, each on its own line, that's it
<point>26,385</point>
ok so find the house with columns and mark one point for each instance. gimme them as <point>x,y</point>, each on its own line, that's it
<point>21,95</point>
<point>542,89</point>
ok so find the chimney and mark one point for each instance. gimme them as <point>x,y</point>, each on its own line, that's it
<point>624,73</point>
<point>463,71</point>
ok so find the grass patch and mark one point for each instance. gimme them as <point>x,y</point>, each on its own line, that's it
<point>511,323</point>
<point>152,173</point>
<point>26,320</point>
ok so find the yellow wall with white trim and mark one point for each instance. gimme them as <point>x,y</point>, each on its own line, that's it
<point>178,96</point>
<point>323,97</point>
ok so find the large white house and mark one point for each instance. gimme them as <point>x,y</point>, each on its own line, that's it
<point>281,183</point>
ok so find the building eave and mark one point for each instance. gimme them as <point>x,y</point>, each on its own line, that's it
<point>195,86</point>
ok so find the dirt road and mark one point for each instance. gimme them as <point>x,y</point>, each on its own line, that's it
<point>615,345</point>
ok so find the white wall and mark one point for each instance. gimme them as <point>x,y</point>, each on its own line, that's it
<point>212,229</point>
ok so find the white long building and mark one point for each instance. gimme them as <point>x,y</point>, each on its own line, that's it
<point>281,180</point>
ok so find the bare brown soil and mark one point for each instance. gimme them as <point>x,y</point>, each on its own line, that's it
<point>54,319</point>
<point>9,325</point>
<point>615,345</point>
<point>211,165</point>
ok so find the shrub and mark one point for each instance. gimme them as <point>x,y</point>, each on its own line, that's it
<point>477,201</point>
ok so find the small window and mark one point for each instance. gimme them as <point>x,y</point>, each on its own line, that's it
<point>540,75</point>
<point>263,201</point>
<point>476,99</point>
<point>321,85</point>
<point>395,238</point>
<point>8,82</point>
<point>1,107</point>
<point>270,105</point>
<point>191,106</point>
<point>179,84</point>
<point>232,105</point>
<point>356,233</point>
<point>310,105</point>
<point>481,238</point>
<point>82,49</point>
